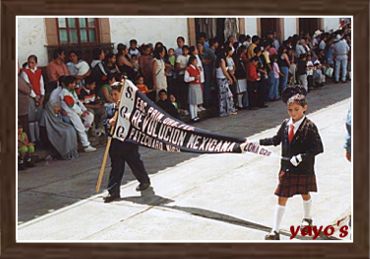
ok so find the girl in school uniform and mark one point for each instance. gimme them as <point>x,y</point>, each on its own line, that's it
<point>301,142</point>
<point>193,77</point>
<point>33,76</point>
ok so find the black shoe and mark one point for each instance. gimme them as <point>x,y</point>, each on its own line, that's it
<point>142,187</point>
<point>196,119</point>
<point>21,165</point>
<point>306,222</point>
<point>273,236</point>
<point>111,198</point>
<point>29,162</point>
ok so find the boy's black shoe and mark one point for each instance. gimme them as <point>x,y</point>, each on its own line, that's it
<point>306,222</point>
<point>142,187</point>
<point>273,236</point>
<point>111,198</point>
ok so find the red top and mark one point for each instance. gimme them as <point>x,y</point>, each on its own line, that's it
<point>34,79</point>
<point>252,74</point>
<point>194,72</point>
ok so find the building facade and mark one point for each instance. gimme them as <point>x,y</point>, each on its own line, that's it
<point>40,36</point>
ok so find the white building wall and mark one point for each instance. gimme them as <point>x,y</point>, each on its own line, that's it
<point>331,24</point>
<point>251,26</point>
<point>32,40</point>
<point>290,27</point>
<point>148,30</point>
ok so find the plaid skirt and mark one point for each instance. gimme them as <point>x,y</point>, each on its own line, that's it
<point>292,184</point>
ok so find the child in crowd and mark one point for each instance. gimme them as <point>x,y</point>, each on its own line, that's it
<point>133,49</point>
<point>310,68</point>
<point>135,63</point>
<point>275,79</point>
<point>253,79</point>
<point>121,152</point>
<point>166,104</point>
<point>300,142</point>
<point>99,68</point>
<point>112,63</point>
<point>80,117</point>
<point>25,149</point>
<point>143,88</point>
<point>182,88</point>
<point>193,77</point>
<point>105,89</point>
<point>33,76</point>
<point>170,63</point>
<point>88,97</point>
<point>194,52</point>
<point>302,71</point>
<point>173,101</point>
<point>318,76</point>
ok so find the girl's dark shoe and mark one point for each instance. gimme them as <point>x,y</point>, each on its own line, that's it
<point>306,222</point>
<point>273,236</point>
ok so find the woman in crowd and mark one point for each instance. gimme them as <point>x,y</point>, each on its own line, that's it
<point>159,75</point>
<point>284,65</point>
<point>124,63</point>
<point>224,80</point>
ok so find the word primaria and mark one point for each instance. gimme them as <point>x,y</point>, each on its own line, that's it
<point>315,231</point>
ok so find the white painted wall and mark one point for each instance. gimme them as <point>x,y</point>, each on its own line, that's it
<point>331,24</point>
<point>148,30</point>
<point>32,40</point>
<point>290,27</point>
<point>251,26</point>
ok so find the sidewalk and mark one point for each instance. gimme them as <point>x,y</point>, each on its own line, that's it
<point>225,197</point>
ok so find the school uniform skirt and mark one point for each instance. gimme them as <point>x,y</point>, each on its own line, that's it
<point>241,86</point>
<point>34,112</point>
<point>292,184</point>
<point>195,94</point>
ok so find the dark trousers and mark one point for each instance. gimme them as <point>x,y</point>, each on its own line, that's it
<point>120,153</point>
<point>252,93</point>
<point>183,91</point>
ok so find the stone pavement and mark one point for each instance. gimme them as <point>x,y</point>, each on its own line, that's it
<point>223,197</point>
<point>56,184</point>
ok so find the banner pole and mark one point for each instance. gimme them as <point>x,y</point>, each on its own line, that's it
<point>105,157</point>
<point>107,147</point>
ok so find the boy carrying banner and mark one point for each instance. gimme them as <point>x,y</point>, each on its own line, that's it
<point>300,142</point>
<point>122,152</point>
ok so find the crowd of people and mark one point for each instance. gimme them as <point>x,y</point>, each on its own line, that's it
<point>241,73</point>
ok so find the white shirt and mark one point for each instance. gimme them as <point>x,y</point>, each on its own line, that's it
<point>296,124</point>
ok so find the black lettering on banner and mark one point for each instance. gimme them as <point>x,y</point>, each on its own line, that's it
<point>119,131</point>
<point>149,126</point>
<point>129,93</point>
<point>123,111</point>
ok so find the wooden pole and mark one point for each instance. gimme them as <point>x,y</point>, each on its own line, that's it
<point>106,152</point>
<point>105,157</point>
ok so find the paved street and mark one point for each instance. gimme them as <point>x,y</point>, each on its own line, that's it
<point>186,185</point>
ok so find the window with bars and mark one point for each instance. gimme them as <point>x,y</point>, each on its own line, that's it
<point>77,30</point>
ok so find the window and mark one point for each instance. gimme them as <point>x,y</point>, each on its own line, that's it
<point>77,30</point>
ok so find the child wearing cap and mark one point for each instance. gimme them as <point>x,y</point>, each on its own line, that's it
<point>300,141</point>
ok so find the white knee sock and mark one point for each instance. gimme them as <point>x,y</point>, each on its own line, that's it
<point>240,100</point>
<point>278,216</point>
<point>31,127</point>
<point>193,111</point>
<point>307,209</point>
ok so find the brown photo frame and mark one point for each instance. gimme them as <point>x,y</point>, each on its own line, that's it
<point>358,249</point>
